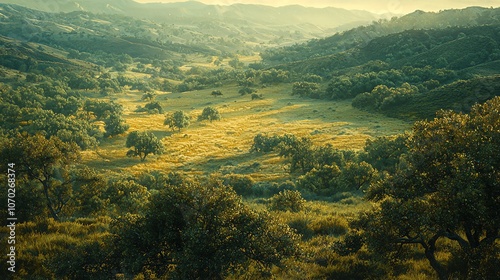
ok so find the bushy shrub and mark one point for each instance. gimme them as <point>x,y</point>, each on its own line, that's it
<point>241,184</point>
<point>350,244</point>
<point>329,225</point>
<point>264,143</point>
<point>300,223</point>
<point>287,200</point>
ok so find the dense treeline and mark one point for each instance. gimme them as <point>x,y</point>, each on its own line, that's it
<point>48,106</point>
<point>392,85</point>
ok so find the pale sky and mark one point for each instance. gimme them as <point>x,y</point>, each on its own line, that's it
<point>377,6</point>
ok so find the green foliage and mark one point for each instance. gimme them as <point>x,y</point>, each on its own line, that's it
<point>68,129</point>
<point>89,189</point>
<point>384,98</point>
<point>308,89</point>
<point>115,125</point>
<point>459,96</point>
<point>153,107</point>
<point>102,109</point>
<point>90,259</point>
<point>350,244</point>
<point>70,249</point>
<point>446,189</point>
<point>384,153</point>
<point>246,90</point>
<point>153,180</point>
<point>216,93</point>
<point>143,143</point>
<point>274,76</point>
<point>322,180</point>
<point>287,200</point>
<point>264,143</point>
<point>209,113</point>
<point>178,120</point>
<point>356,176</point>
<point>298,151</point>
<point>400,37</point>
<point>312,78</point>
<point>150,96</point>
<point>125,196</point>
<point>235,63</point>
<point>330,225</point>
<point>192,231</point>
<point>256,96</point>
<point>45,163</point>
<point>241,184</point>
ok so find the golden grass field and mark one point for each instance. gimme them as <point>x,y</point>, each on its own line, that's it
<point>207,147</point>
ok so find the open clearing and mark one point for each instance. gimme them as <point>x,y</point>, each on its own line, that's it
<point>223,146</point>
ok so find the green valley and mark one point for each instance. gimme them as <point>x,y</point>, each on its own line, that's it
<point>196,141</point>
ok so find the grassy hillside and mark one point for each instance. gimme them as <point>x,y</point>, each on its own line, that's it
<point>224,146</point>
<point>427,60</point>
<point>459,96</point>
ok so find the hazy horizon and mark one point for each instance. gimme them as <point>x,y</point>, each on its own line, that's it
<point>386,6</point>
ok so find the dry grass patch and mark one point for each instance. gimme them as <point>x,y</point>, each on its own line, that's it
<point>205,147</point>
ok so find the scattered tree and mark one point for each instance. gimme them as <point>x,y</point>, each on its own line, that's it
<point>143,143</point>
<point>115,125</point>
<point>154,107</point>
<point>216,93</point>
<point>305,89</point>
<point>209,113</point>
<point>246,90</point>
<point>257,96</point>
<point>287,200</point>
<point>178,120</point>
<point>148,96</point>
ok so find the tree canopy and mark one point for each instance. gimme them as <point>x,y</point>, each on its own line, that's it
<point>209,113</point>
<point>201,231</point>
<point>45,162</point>
<point>143,143</point>
<point>447,187</point>
<point>178,120</point>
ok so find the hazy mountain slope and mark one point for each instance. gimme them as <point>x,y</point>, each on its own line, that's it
<point>173,12</point>
<point>361,36</point>
<point>241,22</point>
<point>447,60</point>
<point>23,56</point>
<point>453,47</point>
<point>87,32</point>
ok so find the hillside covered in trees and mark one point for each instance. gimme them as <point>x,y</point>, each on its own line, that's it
<point>151,149</point>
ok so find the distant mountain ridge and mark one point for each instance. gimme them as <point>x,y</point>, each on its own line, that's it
<point>361,36</point>
<point>191,11</point>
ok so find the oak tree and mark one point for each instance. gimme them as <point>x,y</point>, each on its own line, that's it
<point>209,113</point>
<point>45,163</point>
<point>143,144</point>
<point>447,188</point>
<point>178,120</point>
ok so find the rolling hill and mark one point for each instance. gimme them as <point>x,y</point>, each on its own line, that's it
<point>361,36</point>
<point>247,24</point>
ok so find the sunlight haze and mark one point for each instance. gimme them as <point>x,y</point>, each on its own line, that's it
<point>389,6</point>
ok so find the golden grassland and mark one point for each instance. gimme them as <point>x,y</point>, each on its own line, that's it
<point>207,147</point>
